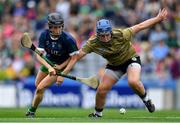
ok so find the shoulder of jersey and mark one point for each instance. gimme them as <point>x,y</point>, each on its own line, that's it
<point>92,39</point>
<point>46,31</point>
<point>117,32</point>
<point>67,35</point>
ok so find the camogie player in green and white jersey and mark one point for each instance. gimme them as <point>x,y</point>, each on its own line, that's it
<point>116,47</point>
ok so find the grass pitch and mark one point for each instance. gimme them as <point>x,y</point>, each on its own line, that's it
<point>79,115</point>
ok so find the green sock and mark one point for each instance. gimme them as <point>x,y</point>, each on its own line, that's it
<point>32,109</point>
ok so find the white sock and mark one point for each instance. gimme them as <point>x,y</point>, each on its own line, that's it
<point>146,98</point>
<point>98,113</point>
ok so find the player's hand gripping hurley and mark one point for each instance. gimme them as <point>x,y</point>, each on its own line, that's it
<point>26,42</point>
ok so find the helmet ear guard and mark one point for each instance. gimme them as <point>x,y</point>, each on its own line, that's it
<point>103,26</point>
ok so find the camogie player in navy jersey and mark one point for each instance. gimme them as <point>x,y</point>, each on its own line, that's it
<point>60,48</point>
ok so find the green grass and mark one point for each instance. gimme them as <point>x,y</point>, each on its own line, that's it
<point>80,115</point>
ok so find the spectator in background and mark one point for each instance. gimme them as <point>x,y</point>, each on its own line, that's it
<point>42,10</point>
<point>160,51</point>
<point>157,35</point>
<point>19,8</point>
<point>5,53</point>
<point>162,71</point>
<point>172,41</point>
<point>174,66</point>
<point>97,9</point>
<point>63,6</point>
<point>5,58</point>
<point>31,10</point>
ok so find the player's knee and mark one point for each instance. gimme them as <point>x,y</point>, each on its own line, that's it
<point>37,83</point>
<point>39,89</point>
<point>102,91</point>
<point>133,82</point>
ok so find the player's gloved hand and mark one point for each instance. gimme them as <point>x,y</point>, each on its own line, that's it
<point>52,71</point>
<point>60,80</point>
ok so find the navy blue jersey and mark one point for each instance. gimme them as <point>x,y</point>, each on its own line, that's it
<point>58,50</point>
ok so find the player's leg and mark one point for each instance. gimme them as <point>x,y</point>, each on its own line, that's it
<point>40,76</point>
<point>133,73</point>
<point>43,80</point>
<point>46,82</point>
<point>107,81</point>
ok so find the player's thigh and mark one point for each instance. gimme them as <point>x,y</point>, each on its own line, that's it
<point>40,76</point>
<point>47,81</point>
<point>107,82</point>
<point>133,72</point>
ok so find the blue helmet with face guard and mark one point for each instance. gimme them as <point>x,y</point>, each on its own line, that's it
<point>103,26</point>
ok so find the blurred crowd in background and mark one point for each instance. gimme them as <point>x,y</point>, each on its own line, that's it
<point>159,46</point>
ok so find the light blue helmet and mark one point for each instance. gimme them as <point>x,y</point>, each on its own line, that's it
<point>103,26</point>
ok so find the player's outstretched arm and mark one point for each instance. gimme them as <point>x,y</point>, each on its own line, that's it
<point>73,61</point>
<point>162,15</point>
